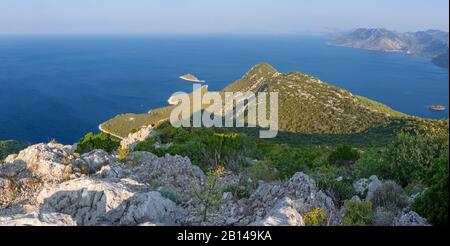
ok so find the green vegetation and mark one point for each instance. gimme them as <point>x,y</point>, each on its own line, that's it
<point>93,141</point>
<point>325,132</point>
<point>316,217</point>
<point>357,213</point>
<point>10,147</point>
<point>343,155</point>
<point>241,190</point>
<point>410,157</point>
<point>333,168</point>
<point>306,105</point>
<point>210,197</point>
<point>433,204</point>
<point>339,191</point>
<point>389,195</point>
<point>171,195</point>
<point>205,147</point>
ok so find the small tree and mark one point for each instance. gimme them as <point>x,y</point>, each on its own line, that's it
<point>210,197</point>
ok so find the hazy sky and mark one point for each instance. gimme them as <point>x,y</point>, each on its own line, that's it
<point>222,16</point>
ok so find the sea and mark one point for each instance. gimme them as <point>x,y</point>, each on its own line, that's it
<point>63,86</point>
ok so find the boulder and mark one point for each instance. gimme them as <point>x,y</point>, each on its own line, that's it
<point>150,207</point>
<point>410,218</point>
<point>282,214</point>
<point>374,184</point>
<point>361,185</point>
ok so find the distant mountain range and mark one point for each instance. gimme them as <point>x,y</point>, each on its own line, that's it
<point>430,43</point>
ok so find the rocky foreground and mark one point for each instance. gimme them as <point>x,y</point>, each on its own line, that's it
<point>49,184</point>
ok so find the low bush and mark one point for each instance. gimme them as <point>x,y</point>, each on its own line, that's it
<point>242,189</point>
<point>343,155</point>
<point>389,195</point>
<point>93,141</point>
<point>371,162</point>
<point>170,194</point>
<point>204,147</point>
<point>316,217</point>
<point>357,213</point>
<point>338,190</point>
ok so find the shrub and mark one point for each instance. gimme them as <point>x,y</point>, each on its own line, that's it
<point>289,161</point>
<point>238,191</point>
<point>204,147</point>
<point>242,189</point>
<point>316,217</point>
<point>102,141</point>
<point>371,162</point>
<point>343,155</point>
<point>337,190</point>
<point>262,170</point>
<point>433,204</point>
<point>170,194</point>
<point>410,157</point>
<point>389,195</point>
<point>357,213</point>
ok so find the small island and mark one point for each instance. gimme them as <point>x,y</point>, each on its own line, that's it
<point>192,78</point>
<point>437,107</point>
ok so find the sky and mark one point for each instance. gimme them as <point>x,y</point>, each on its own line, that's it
<point>219,16</point>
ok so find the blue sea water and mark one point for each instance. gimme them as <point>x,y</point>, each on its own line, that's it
<point>60,87</point>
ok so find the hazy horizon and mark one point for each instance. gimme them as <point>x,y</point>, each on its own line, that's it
<point>231,16</point>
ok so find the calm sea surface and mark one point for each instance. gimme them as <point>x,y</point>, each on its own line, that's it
<point>63,86</point>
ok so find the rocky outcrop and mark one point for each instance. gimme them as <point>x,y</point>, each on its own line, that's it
<point>46,185</point>
<point>410,218</point>
<point>135,138</point>
<point>102,202</point>
<point>367,187</point>
<point>34,219</point>
<point>264,204</point>
<point>170,172</point>
<point>47,161</point>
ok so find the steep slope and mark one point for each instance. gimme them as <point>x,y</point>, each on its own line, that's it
<point>306,105</point>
